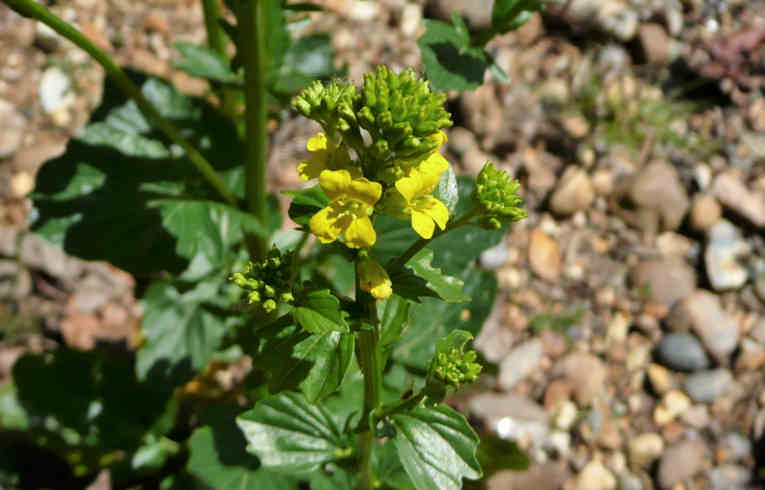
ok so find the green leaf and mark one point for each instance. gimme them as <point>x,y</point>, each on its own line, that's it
<point>181,329</point>
<point>277,38</point>
<point>451,62</point>
<point>290,435</point>
<point>319,312</point>
<point>338,479</point>
<point>204,62</point>
<point>84,399</point>
<point>103,198</point>
<point>305,203</point>
<point>393,313</point>
<point>496,454</point>
<point>388,468</point>
<point>12,413</point>
<point>508,15</point>
<point>437,447</point>
<point>206,232</point>
<point>316,364</point>
<point>434,319</point>
<point>331,354</point>
<point>447,190</point>
<point>218,458</point>
<point>309,58</point>
<point>445,287</point>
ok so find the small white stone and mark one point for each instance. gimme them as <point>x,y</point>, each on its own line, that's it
<point>566,415</point>
<point>55,90</point>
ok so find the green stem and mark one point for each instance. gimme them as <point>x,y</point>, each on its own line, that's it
<point>369,357</point>
<point>30,8</point>
<point>252,30</point>
<point>217,41</point>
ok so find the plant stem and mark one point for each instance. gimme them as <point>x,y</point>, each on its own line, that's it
<point>252,30</point>
<point>370,361</point>
<point>216,39</point>
<point>215,36</point>
<point>30,8</point>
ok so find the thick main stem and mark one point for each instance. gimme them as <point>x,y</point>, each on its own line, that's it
<point>252,28</point>
<point>30,8</point>
<point>370,361</point>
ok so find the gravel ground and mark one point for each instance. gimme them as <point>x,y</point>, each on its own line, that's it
<point>630,331</point>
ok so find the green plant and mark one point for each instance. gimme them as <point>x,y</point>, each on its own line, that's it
<point>355,338</point>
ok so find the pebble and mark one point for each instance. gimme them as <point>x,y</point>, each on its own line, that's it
<point>512,416</point>
<point>658,188</point>
<point>702,313</point>
<point>705,211</point>
<point>495,257</point>
<point>55,91</point>
<point>660,378</point>
<point>540,476</point>
<point>729,477</point>
<point>545,256</point>
<point>666,280</point>
<point>681,461</point>
<point>21,184</point>
<point>566,415</point>
<point>645,448</point>
<point>672,405</point>
<point>585,373</point>
<point>751,355</point>
<point>519,363</point>
<point>595,476</point>
<point>734,195</point>
<point>707,386</point>
<point>574,192</point>
<point>682,352</point>
<point>12,128</point>
<point>697,416</point>
<point>628,481</point>
<point>411,18</point>
<point>725,246</point>
<point>655,43</point>
<point>737,446</point>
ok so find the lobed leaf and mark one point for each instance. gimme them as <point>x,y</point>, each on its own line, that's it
<point>437,447</point>
<point>290,435</point>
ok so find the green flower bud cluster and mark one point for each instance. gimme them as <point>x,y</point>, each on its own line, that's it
<point>267,283</point>
<point>497,196</point>
<point>456,366</point>
<point>403,117</point>
<point>331,105</point>
<point>399,111</point>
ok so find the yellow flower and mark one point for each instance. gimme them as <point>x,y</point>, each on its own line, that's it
<point>414,196</point>
<point>374,280</point>
<point>402,167</point>
<point>325,155</point>
<point>352,201</point>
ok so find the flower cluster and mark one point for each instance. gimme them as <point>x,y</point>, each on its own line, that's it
<point>496,195</point>
<point>267,283</point>
<point>395,169</point>
<point>456,366</point>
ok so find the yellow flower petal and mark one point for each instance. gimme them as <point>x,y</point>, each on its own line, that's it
<point>382,291</point>
<point>330,222</point>
<point>318,142</point>
<point>365,191</point>
<point>335,183</point>
<point>409,187</point>
<point>312,168</point>
<point>430,171</point>
<point>435,209</point>
<point>423,224</point>
<point>360,233</point>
